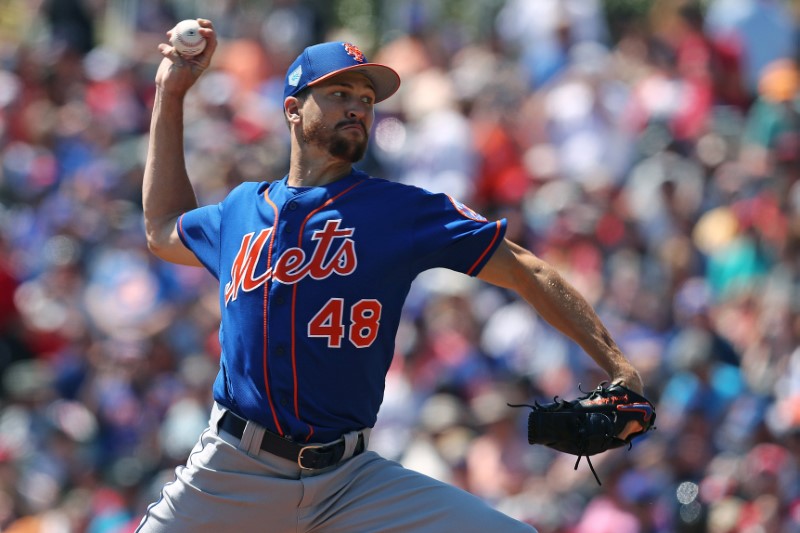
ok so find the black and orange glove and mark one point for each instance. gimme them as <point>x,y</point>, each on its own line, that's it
<point>607,417</point>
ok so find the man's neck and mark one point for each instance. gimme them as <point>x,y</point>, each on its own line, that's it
<point>305,173</point>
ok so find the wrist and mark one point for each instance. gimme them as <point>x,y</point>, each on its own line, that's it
<point>169,96</point>
<point>630,378</point>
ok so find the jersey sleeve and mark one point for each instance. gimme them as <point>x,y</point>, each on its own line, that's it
<point>199,231</point>
<point>449,234</point>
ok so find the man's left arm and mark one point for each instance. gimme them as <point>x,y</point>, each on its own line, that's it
<point>561,305</point>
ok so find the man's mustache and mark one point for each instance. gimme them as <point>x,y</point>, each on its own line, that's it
<point>347,123</point>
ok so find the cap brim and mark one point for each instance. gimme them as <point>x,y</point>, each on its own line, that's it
<point>384,79</point>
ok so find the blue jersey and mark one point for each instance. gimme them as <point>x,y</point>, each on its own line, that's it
<point>312,285</point>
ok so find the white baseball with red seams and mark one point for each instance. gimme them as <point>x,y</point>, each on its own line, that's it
<point>186,38</point>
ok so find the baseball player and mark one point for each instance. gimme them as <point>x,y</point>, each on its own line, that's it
<point>313,271</point>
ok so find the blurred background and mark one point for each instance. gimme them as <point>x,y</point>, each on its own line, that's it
<point>648,149</point>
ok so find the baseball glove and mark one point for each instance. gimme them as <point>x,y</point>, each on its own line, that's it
<point>605,418</point>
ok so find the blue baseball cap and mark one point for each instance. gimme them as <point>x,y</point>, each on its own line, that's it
<point>323,61</point>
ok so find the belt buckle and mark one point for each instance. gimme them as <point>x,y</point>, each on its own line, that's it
<point>302,451</point>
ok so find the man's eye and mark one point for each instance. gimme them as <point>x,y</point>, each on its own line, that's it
<point>367,100</point>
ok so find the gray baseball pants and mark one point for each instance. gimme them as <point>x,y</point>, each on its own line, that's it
<point>231,485</point>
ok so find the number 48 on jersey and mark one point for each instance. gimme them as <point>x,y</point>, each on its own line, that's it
<point>360,327</point>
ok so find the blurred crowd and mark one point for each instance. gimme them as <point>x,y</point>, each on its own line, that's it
<point>651,154</point>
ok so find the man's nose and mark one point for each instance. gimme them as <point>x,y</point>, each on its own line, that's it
<point>358,109</point>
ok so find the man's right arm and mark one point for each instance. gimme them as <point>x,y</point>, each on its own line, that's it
<point>167,192</point>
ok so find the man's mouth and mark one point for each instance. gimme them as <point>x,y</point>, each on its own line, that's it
<point>353,126</point>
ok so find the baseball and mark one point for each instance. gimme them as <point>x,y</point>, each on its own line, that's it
<point>186,38</point>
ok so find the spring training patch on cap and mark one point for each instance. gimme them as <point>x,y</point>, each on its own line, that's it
<point>294,76</point>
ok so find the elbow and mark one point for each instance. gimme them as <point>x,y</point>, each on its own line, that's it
<point>158,239</point>
<point>153,246</point>
<point>166,252</point>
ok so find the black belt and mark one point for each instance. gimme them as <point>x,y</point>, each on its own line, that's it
<point>311,457</point>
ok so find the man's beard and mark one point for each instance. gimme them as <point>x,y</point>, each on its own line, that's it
<point>335,143</point>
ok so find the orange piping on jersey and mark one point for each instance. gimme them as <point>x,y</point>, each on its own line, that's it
<point>294,303</point>
<point>494,239</point>
<point>267,285</point>
<point>180,225</point>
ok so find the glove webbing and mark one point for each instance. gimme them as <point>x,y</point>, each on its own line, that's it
<point>582,451</point>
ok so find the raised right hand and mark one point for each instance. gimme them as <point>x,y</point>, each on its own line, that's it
<point>176,74</point>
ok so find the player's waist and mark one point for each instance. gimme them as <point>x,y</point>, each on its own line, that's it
<point>315,456</point>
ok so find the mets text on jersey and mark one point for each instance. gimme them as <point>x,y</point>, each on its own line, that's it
<point>293,265</point>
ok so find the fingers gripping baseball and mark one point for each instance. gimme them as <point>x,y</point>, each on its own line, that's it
<point>186,39</point>
<point>178,72</point>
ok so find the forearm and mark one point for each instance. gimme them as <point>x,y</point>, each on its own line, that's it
<point>562,306</point>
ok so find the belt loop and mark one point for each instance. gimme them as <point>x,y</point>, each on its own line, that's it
<point>216,415</point>
<point>251,438</point>
<point>258,436</point>
<point>350,441</point>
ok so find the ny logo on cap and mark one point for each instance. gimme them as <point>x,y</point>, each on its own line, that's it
<point>353,50</point>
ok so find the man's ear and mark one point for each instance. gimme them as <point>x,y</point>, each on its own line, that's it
<point>291,109</point>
